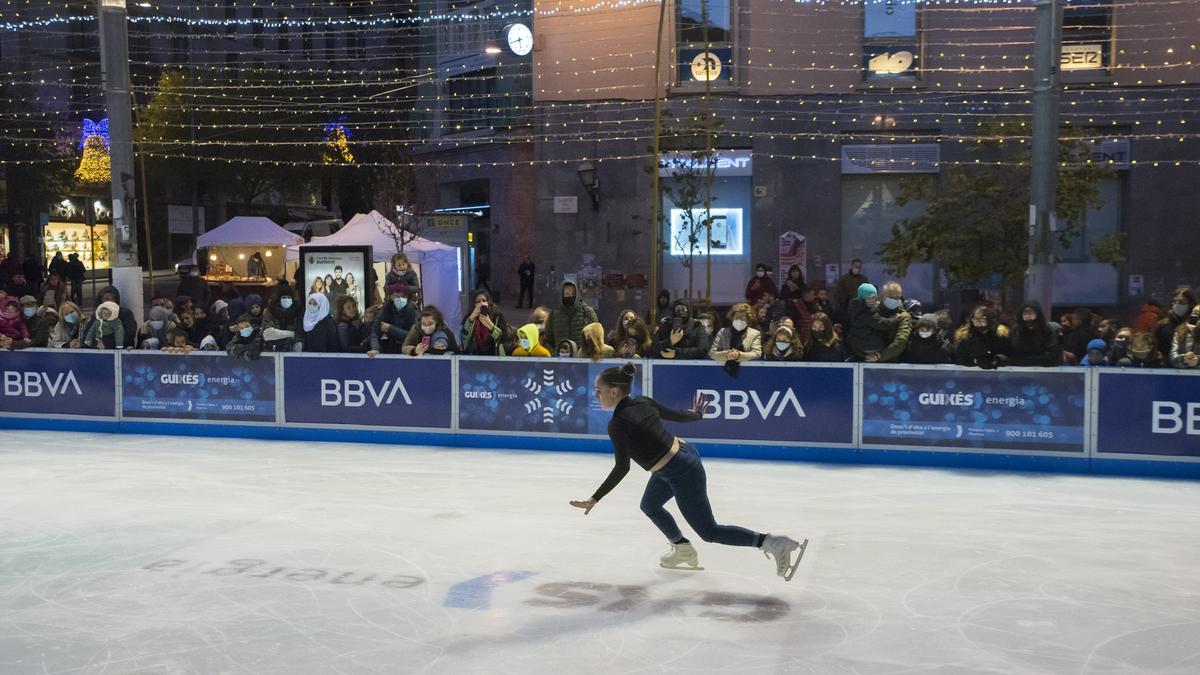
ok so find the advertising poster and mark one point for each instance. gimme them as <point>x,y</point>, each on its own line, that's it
<point>1148,413</point>
<point>553,396</point>
<point>197,387</point>
<point>993,409</point>
<point>795,404</point>
<point>336,271</point>
<point>382,392</point>
<point>58,382</point>
<point>793,250</point>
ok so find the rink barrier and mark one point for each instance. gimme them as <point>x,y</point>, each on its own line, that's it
<point>1066,420</point>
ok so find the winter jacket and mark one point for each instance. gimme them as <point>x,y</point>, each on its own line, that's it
<point>105,334</point>
<point>1077,340</point>
<point>14,327</point>
<point>749,346</point>
<point>1183,342</point>
<point>868,331</point>
<point>128,323</point>
<point>401,320</point>
<point>1164,332</point>
<point>1147,318</point>
<point>932,350</point>
<point>415,336</point>
<point>408,278</point>
<point>323,337</point>
<point>62,332</point>
<point>353,336</point>
<point>982,350</point>
<point>39,329</point>
<point>847,288</point>
<point>900,334</point>
<point>1035,345</point>
<point>693,345</point>
<point>567,322</point>
<point>471,346</point>
<point>801,314</point>
<point>246,348</point>
<point>820,352</point>
<point>756,288</point>
<point>530,332</point>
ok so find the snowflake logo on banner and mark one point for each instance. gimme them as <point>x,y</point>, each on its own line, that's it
<point>554,391</point>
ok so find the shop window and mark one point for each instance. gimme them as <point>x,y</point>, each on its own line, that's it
<point>705,40</point>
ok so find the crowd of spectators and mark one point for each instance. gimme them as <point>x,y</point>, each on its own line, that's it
<point>794,321</point>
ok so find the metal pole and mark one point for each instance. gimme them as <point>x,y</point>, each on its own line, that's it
<point>114,69</point>
<point>656,194</point>
<point>1046,90</point>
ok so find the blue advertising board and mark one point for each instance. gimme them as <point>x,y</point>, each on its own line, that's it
<point>197,387</point>
<point>789,404</point>
<point>1148,413</point>
<point>552,396</point>
<point>957,408</point>
<point>384,391</point>
<point>58,382</point>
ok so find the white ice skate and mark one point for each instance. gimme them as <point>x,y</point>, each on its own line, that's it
<point>682,557</point>
<point>781,549</point>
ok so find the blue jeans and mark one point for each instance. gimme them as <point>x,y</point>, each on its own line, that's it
<point>683,478</point>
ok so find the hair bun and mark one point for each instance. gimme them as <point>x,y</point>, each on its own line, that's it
<point>629,369</point>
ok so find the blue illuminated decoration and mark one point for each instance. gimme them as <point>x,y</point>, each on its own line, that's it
<point>91,128</point>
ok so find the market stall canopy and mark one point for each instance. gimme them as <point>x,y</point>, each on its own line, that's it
<point>249,231</point>
<point>371,229</point>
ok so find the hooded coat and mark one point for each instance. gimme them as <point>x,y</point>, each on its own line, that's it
<point>12,323</point>
<point>1035,344</point>
<point>987,349</point>
<point>932,350</point>
<point>530,332</point>
<point>868,332</point>
<point>566,322</point>
<point>695,342</point>
<point>128,323</point>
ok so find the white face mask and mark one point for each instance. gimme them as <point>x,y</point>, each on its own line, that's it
<point>739,325</point>
<point>156,325</point>
<point>925,333</point>
<point>761,274</point>
<point>526,345</point>
<point>782,346</point>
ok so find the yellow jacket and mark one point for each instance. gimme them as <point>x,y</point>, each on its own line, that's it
<point>530,332</point>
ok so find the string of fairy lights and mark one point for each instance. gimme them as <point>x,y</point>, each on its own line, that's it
<point>377,67</point>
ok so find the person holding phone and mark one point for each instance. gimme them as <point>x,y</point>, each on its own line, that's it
<point>637,433</point>
<point>483,329</point>
<point>682,337</point>
<point>420,340</point>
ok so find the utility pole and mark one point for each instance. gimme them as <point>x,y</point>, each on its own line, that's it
<point>114,72</point>
<point>1046,53</point>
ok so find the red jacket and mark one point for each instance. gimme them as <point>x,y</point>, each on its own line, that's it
<point>757,287</point>
<point>14,327</point>
<point>1147,318</point>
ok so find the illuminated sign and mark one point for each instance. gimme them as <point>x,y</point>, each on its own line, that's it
<point>706,66</point>
<point>1082,57</point>
<point>888,61</point>
<point>726,231</point>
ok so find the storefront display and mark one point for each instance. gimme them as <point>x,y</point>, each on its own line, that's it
<point>91,244</point>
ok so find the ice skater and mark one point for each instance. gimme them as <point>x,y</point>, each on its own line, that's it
<point>676,471</point>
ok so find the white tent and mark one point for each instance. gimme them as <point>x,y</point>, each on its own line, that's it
<point>439,265</point>
<point>249,231</point>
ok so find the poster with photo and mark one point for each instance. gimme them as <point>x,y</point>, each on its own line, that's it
<point>336,271</point>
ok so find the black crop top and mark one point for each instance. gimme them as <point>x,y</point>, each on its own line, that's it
<point>637,433</point>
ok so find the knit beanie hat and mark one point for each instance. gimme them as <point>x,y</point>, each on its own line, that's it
<point>113,310</point>
<point>866,291</point>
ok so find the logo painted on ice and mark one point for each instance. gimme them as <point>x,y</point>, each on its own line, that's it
<point>32,384</point>
<point>735,404</point>
<point>357,393</point>
<point>957,399</point>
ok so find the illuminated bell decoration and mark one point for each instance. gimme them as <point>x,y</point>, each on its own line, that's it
<point>337,145</point>
<point>95,167</point>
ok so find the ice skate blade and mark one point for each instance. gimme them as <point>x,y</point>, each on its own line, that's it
<point>791,571</point>
<point>685,568</point>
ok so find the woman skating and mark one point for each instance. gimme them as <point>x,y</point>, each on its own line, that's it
<point>676,471</point>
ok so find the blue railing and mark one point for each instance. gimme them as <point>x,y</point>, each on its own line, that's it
<point>1100,420</point>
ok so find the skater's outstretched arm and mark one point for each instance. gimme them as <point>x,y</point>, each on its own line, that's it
<point>695,414</point>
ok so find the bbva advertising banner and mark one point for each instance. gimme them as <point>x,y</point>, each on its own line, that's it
<point>197,387</point>
<point>796,404</point>
<point>1148,413</point>
<point>381,392</point>
<point>58,382</point>
<point>958,408</point>
<point>552,396</point>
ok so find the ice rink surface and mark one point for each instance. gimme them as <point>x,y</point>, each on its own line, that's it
<point>140,554</point>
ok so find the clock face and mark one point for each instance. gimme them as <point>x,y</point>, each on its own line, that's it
<point>520,39</point>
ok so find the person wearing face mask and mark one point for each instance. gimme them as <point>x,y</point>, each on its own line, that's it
<point>246,343</point>
<point>847,286</point>
<point>320,330</point>
<point>153,333</point>
<point>1118,349</point>
<point>1034,342</point>
<point>1182,301</point>
<point>529,342</point>
<point>662,310</point>
<point>66,332</point>
<point>391,325</point>
<point>983,341</point>
<point>353,336</point>
<point>785,345</point>
<point>739,342</point>
<point>194,286</point>
<point>631,338</point>
<point>1185,340</point>
<point>1143,352</point>
<point>893,305</point>
<point>538,317</point>
<point>759,284</point>
<point>869,332</point>
<point>401,272</point>
<point>281,320</point>
<point>567,349</point>
<point>483,330</point>
<point>420,338</point>
<point>927,345</point>
<point>682,336</point>
<point>38,323</point>
<point>793,284</point>
<point>568,319</point>
<point>254,307</point>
